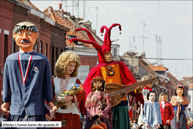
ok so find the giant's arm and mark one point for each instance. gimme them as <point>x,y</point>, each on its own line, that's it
<point>6,90</point>
<point>48,85</point>
<point>106,110</point>
<point>171,112</point>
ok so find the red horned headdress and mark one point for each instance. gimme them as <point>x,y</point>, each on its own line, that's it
<point>106,47</point>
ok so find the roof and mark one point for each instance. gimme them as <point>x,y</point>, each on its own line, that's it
<point>172,76</point>
<point>145,67</point>
<point>188,81</point>
<point>32,6</point>
<point>145,61</point>
<point>191,85</point>
<point>158,68</point>
<point>57,16</point>
<point>28,3</point>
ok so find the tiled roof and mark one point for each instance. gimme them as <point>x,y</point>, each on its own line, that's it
<point>57,17</point>
<point>158,68</point>
<point>186,77</point>
<point>191,85</point>
<point>187,81</point>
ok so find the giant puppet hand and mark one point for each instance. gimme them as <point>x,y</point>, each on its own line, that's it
<point>52,106</point>
<point>51,111</point>
<point>5,107</point>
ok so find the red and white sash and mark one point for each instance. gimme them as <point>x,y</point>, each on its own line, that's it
<point>24,77</point>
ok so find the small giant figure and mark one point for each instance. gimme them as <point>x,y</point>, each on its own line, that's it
<point>166,108</point>
<point>152,115</point>
<point>180,108</point>
<point>27,78</point>
<point>98,103</point>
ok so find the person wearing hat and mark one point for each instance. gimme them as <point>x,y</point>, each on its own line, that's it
<point>112,72</point>
<point>180,108</point>
<point>166,109</point>
<point>27,78</point>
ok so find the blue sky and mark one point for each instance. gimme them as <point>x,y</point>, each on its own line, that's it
<point>171,20</point>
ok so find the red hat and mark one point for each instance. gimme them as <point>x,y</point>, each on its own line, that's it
<point>106,47</point>
<point>179,86</point>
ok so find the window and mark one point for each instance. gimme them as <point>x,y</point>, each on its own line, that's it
<point>41,44</point>
<point>56,53</point>
<point>52,47</point>
<point>45,49</point>
<point>5,47</point>
<point>13,46</point>
<point>189,98</point>
<point>35,47</point>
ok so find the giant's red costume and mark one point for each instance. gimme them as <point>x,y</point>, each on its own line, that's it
<point>122,73</point>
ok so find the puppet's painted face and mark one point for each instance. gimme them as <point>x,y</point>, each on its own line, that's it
<point>70,68</point>
<point>179,91</point>
<point>108,56</point>
<point>152,97</point>
<point>25,39</point>
<point>163,97</point>
<point>98,85</point>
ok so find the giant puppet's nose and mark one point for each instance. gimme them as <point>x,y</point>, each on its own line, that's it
<point>24,35</point>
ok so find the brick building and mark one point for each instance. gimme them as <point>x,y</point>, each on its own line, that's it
<point>51,34</point>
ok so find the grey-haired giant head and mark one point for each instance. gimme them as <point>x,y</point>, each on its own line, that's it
<point>25,35</point>
<point>25,26</point>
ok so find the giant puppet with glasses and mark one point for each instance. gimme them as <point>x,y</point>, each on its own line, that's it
<point>27,78</point>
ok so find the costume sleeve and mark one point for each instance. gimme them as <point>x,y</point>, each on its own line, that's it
<point>48,82</point>
<point>80,98</point>
<point>159,113</point>
<point>6,86</point>
<point>171,116</point>
<point>127,79</point>
<point>88,104</point>
<point>144,120</point>
<point>187,113</point>
<point>126,75</point>
<point>92,74</point>
<point>81,94</point>
<point>106,110</point>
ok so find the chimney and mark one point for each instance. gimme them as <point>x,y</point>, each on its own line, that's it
<point>60,5</point>
<point>72,17</point>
